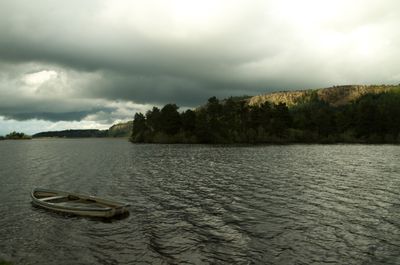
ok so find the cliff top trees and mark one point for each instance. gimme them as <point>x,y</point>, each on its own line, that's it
<point>170,119</point>
<point>372,118</point>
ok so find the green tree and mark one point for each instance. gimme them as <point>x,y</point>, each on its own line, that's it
<point>188,119</point>
<point>139,128</point>
<point>170,119</point>
<point>154,119</point>
<point>281,119</point>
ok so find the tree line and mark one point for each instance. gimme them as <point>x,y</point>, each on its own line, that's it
<point>15,136</point>
<point>372,118</point>
<point>80,133</point>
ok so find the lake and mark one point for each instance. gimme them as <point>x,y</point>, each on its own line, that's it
<point>199,204</point>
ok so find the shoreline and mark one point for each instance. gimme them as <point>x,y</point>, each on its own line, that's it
<point>279,143</point>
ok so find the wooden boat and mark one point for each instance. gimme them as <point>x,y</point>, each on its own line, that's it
<point>77,204</point>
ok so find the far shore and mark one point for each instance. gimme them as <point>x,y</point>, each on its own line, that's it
<point>278,143</point>
<point>69,138</point>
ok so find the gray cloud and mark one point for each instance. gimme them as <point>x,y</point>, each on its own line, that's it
<point>49,116</point>
<point>101,60</point>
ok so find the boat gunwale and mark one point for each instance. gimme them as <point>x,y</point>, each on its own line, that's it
<point>55,206</point>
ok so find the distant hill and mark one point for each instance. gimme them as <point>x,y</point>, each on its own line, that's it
<point>72,133</point>
<point>117,130</point>
<point>334,96</point>
<point>351,113</point>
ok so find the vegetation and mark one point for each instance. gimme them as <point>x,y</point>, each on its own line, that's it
<point>73,133</point>
<point>334,96</point>
<point>370,118</point>
<point>117,130</point>
<point>16,136</point>
<point>120,130</point>
<point>3,262</point>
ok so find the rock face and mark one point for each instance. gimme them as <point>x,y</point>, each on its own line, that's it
<point>121,129</point>
<point>334,96</point>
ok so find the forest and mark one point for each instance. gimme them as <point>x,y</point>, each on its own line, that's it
<point>372,118</point>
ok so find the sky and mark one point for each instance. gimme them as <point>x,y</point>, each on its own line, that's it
<point>88,64</point>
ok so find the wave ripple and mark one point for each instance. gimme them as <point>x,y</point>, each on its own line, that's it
<point>300,204</point>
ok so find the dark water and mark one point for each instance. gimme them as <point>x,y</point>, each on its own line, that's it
<point>313,204</point>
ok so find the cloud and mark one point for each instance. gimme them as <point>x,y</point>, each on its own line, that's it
<point>39,78</point>
<point>33,126</point>
<point>96,60</point>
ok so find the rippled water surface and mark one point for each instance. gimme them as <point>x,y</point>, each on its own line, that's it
<point>194,204</point>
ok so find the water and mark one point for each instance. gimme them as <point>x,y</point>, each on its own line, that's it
<point>195,204</point>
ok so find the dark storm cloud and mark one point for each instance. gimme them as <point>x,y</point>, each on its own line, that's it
<point>48,116</point>
<point>78,39</point>
<point>50,110</point>
<point>70,60</point>
<point>161,89</point>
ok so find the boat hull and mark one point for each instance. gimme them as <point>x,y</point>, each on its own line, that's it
<point>77,204</point>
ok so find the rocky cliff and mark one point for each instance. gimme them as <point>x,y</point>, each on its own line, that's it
<point>334,96</point>
<point>121,129</point>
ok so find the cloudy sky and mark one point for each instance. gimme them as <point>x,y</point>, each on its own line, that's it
<point>88,64</point>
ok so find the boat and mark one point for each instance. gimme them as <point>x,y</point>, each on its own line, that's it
<point>77,204</point>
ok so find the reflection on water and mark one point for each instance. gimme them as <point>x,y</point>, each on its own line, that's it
<point>195,204</point>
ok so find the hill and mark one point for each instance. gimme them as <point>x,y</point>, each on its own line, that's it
<point>334,96</point>
<point>72,133</point>
<point>120,129</point>
<point>117,130</point>
<point>342,114</point>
